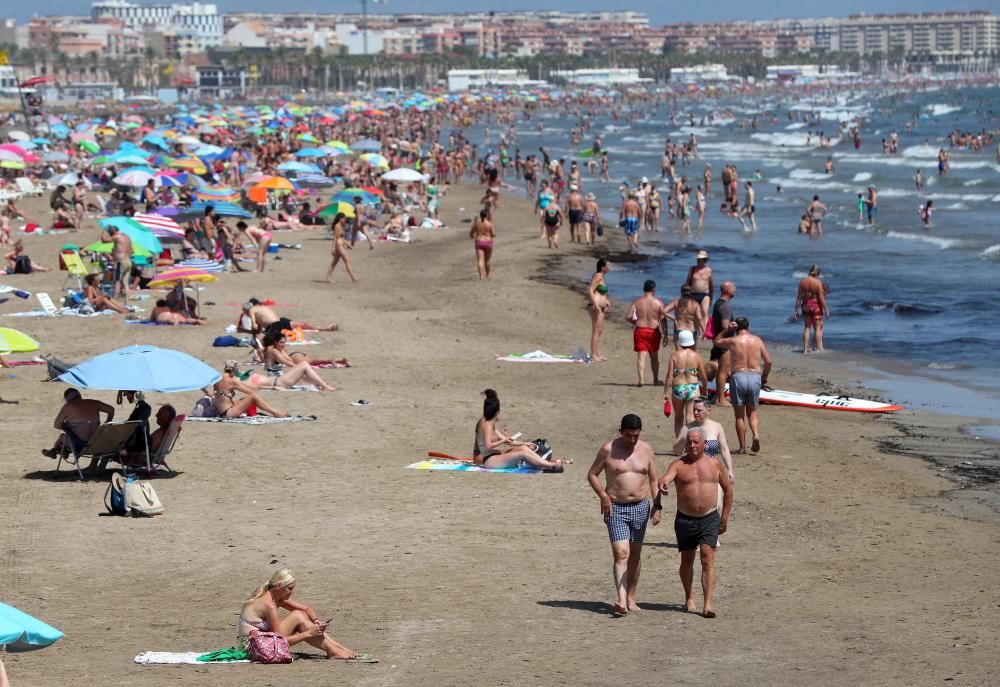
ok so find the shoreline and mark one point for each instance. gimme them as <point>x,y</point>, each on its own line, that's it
<point>829,571</point>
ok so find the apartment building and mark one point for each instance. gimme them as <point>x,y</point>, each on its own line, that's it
<point>198,26</point>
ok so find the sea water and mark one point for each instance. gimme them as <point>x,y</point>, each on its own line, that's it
<point>923,296</point>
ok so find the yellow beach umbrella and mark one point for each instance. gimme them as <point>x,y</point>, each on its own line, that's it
<point>13,341</point>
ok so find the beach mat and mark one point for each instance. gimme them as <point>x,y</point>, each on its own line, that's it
<point>255,420</point>
<point>542,357</point>
<point>462,466</point>
<point>65,312</point>
<point>162,658</point>
<point>159,324</point>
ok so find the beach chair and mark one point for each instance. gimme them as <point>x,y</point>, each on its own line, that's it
<point>25,186</point>
<point>9,194</point>
<point>75,267</point>
<point>167,445</point>
<point>108,443</point>
<point>47,305</point>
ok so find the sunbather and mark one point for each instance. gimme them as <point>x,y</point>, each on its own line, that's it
<point>162,314</point>
<point>489,440</point>
<point>260,613</point>
<point>297,373</point>
<point>98,301</point>
<point>276,354</point>
<point>224,395</point>
<point>78,419</point>
<point>19,263</point>
<point>261,316</point>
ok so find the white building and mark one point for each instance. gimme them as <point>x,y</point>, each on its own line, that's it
<point>702,73</point>
<point>353,39</point>
<point>474,79</point>
<point>807,72</point>
<point>602,77</point>
<point>200,24</point>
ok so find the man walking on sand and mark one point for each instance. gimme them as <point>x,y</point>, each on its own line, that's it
<point>647,315</point>
<point>630,471</point>
<point>746,353</point>
<point>718,363</point>
<point>698,522</point>
<point>700,280</point>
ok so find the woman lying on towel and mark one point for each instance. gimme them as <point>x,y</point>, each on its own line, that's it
<point>276,353</point>
<point>298,373</point>
<point>224,394</point>
<point>488,450</point>
<point>300,624</point>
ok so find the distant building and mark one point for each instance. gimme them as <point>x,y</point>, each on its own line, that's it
<point>222,82</point>
<point>475,79</point>
<point>602,77</point>
<point>806,72</point>
<point>199,25</point>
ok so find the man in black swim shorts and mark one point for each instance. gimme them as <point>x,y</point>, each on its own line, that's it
<point>698,523</point>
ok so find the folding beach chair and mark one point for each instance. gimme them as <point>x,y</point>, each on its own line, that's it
<point>47,305</point>
<point>167,444</point>
<point>108,443</point>
<point>75,267</point>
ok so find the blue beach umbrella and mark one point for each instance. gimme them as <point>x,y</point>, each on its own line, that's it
<point>20,632</point>
<point>367,144</point>
<point>142,368</point>
<point>298,167</point>
<point>140,235</point>
<point>222,209</point>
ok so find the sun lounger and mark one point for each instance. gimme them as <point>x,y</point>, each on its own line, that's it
<point>47,305</point>
<point>25,186</point>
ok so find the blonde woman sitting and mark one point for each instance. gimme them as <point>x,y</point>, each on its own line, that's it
<point>261,613</point>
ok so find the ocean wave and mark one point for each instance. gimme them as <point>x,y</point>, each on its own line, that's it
<point>991,253</point>
<point>903,308</point>
<point>955,206</point>
<point>862,176</point>
<point>940,109</point>
<point>808,174</point>
<point>812,184</point>
<point>941,243</point>
<point>928,151</point>
<point>780,139</point>
<point>974,182</point>
<point>949,366</point>
<point>796,125</point>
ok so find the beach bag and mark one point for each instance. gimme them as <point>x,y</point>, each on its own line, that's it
<point>130,496</point>
<point>268,647</point>
<point>205,407</point>
<point>543,448</point>
<point>224,341</point>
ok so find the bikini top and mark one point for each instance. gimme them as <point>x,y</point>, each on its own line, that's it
<point>601,288</point>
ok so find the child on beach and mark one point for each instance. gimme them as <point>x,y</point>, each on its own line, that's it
<point>925,212</point>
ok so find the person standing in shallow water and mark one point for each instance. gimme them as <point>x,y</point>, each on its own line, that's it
<point>811,298</point>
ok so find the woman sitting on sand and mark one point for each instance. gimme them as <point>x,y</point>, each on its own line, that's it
<point>489,440</point>
<point>300,624</point>
<point>224,395</point>
<point>685,371</point>
<point>277,355</point>
<point>598,305</point>
<point>98,301</point>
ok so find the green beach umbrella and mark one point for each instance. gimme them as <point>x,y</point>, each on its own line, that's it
<point>105,248</point>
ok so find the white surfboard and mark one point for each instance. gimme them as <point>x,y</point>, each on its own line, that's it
<point>821,401</point>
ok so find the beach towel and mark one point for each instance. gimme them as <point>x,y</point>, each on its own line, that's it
<point>255,420</point>
<point>148,658</point>
<point>461,466</point>
<point>65,312</point>
<point>158,324</point>
<point>578,356</point>
<point>19,363</point>
<point>304,342</point>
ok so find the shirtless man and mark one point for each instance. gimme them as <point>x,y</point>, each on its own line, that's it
<point>698,523</point>
<point>871,203</point>
<point>121,255</point>
<point>647,315</point>
<point>591,218</point>
<point>718,363</point>
<point>262,315</point>
<point>700,280</point>
<point>78,419</point>
<point>749,208</point>
<point>574,211</point>
<point>812,299</point>
<point>630,214</point>
<point>746,353</point>
<point>630,475</point>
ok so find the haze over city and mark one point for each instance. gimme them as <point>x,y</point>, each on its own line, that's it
<point>659,12</point>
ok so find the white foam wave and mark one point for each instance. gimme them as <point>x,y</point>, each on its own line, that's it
<point>933,240</point>
<point>812,184</point>
<point>862,176</point>
<point>991,253</point>
<point>807,174</point>
<point>796,125</point>
<point>921,151</point>
<point>780,139</point>
<point>955,206</point>
<point>974,182</point>
<point>940,109</point>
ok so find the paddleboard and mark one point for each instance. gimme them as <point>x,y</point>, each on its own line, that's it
<point>780,397</point>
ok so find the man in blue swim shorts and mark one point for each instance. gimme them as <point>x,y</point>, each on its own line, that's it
<point>630,214</point>
<point>750,364</point>
<point>630,476</point>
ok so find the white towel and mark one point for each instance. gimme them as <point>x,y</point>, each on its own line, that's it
<point>175,658</point>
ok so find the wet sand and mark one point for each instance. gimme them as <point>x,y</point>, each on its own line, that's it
<point>838,567</point>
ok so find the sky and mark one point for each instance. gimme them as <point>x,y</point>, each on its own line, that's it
<point>659,11</point>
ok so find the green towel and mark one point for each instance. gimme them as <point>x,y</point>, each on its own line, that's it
<point>233,653</point>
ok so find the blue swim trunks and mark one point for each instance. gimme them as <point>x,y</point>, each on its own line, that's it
<point>631,226</point>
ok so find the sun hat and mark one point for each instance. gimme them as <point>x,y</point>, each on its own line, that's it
<point>702,255</point>
<point>685,338</point>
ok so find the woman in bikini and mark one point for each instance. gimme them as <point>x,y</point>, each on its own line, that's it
<point>489,451</point>
<point>224,395</point>
<point>483,233</point>
<point>98,301</point>
<point>685,371</point>
<point>260,613</point>
<point>811,298</point>
<point>686,314</point>
<point>599,304</point>
<point>260,238</point>
<point>276,354</point>
<point>340,248</point>
<point>653,209</point>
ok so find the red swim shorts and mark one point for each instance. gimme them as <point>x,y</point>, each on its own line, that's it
<point>811,312</point>
<point>646,339</point>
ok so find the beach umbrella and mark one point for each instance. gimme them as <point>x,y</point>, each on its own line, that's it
<point>276,184</point>
<point>367,144</point>
<point>376,160</point>
<point>13,341</point>
<point>10,155</point>
<point>334,208</point>
<point>221,193</point>
<point>20,632</point>
<point>139,234</point>
<point>90,146</point>
<point>12,164</point>
<point>298,167</point>
<point>17,135</point>
<point>403,174</point>
<point>160,226</point>
<point>106,248</point>
<point>311,152</point>
<point>314,180</point>
<point>222,209</point>
<point>136,178</point>
<point>142,368</point>
<point>67,179</point>
<point>340,145</point>
<point>55,156</point>
<point>349,194</point>
<point>186,275</point>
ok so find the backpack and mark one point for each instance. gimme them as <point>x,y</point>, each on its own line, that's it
<point>129,496</point>
<point>543,448</point>
<point>22,264</point>
<point>205,407</point>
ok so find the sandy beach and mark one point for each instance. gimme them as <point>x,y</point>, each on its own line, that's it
<point>842,565</point>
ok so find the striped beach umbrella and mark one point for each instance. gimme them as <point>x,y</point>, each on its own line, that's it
<point>162,227</point>
<point>183,274</point>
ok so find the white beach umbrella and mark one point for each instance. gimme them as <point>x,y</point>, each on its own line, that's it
<point>404,174</point>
